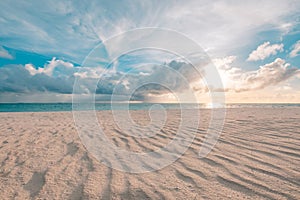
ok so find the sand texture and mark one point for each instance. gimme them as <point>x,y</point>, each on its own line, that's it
<point>257,157</point>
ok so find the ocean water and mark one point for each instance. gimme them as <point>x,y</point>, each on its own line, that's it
<point>51,107</point>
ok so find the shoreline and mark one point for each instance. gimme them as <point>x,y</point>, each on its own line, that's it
<point>168,109</point>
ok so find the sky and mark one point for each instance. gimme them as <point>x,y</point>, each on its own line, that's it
<point>45,46</point>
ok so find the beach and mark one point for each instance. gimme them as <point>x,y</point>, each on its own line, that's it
<point>257,156</point>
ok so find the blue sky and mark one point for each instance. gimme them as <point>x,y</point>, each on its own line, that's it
<point>254,44</point>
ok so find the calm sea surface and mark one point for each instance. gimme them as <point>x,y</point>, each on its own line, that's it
<point>49,107</point>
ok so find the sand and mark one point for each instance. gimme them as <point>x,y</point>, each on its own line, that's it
<point>257,157</point>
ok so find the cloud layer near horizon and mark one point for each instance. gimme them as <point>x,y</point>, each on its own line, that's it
<point>58,76</point>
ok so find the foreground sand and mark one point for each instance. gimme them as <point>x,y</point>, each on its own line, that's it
<point>256,157</point>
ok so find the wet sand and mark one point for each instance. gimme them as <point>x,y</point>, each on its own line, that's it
<point>257,157</point>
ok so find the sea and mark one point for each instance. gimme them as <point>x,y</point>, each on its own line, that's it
<point>56,107</point>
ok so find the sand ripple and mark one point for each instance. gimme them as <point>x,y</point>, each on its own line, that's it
<point>257,157</point>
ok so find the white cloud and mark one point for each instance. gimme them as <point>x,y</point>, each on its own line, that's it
<point>17,79</point>
<point>49,68</point>
<point>296,49</point>
<point>5,54</point>
<point>265,50</point>
<point>268,74</point>
<point>238,80</point>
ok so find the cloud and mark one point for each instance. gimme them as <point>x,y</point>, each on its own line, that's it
<point>56,27</point>
<point>50,67</point>
<point>149,80</point>
<point>265,50</point>
<point>5,54</point>
<point>16,79</point>
<point>237,80</point>
<point>296,49</point>
<point>268,74</point>
<point>58,76</point>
